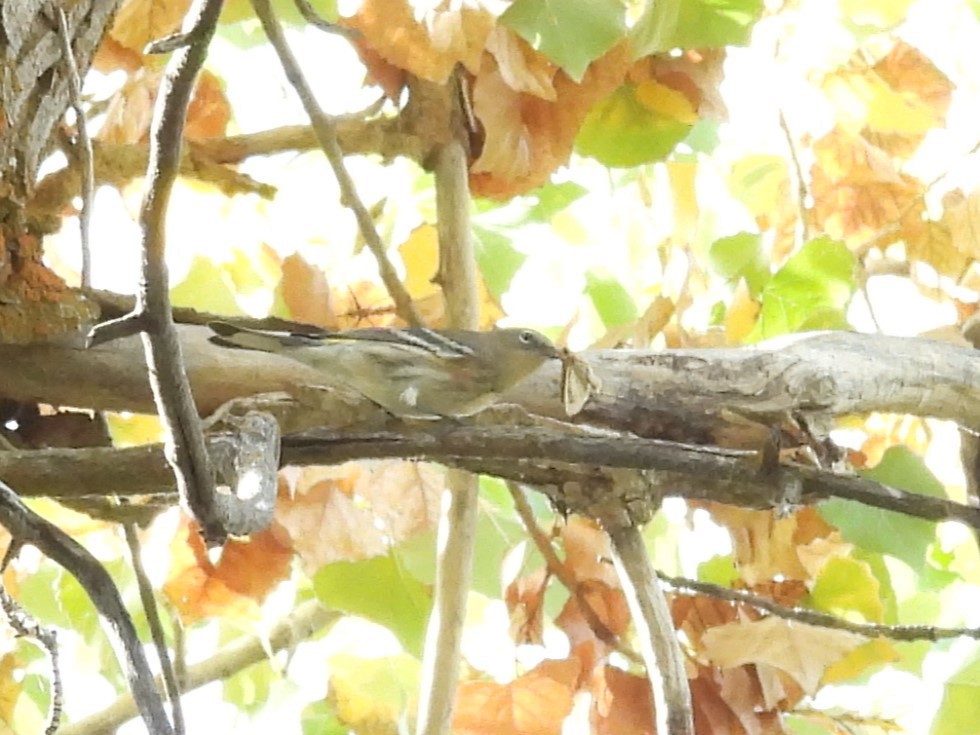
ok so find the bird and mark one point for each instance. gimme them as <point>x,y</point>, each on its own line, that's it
<point>413,373</point>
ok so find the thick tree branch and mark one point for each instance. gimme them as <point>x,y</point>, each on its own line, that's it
<point>681,394</point>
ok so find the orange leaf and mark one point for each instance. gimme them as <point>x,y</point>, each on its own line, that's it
<point>244,575</point>
<point>305,290</point>
<point>138,22</point>
<point>357,510</point>
<point>525,603</point>
<point>131,109</point>
<point>608,605</point>
<point>533,704</point>
<point>427,42</point>
<point>857,190</point>
<point>621,703</point>
<point>528,137</point>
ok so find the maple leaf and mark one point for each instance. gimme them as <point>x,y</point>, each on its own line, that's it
<point>533,704</point>
<point>802,651</point>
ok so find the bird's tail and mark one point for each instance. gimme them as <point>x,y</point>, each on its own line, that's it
<point>242,338</point>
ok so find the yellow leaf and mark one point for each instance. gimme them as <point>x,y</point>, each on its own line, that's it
<point>420,254</point>
<point>741,314</point>
<point>666,101</point>
<point>373,695</point>
<point>129,430</point>
<point>873,653</point>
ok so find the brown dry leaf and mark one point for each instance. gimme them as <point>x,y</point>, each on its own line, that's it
<point>731,702</point>
<point>695,614</point>
<point>131,109</point>
<point>428,42</point>
<point>306,292</point>
<point>138,22</point>
<point>528,137</point>
<point>857,190</point>
<point>961,215</point>
<point>244,575</point>
<point>357,510</point>
<point>802,651</point>
<point>766,547</point>
<point>587,551</point>
<point>533,704</point>
<point>364,304</point>
<point>112,55</point>
<point>521,67</point>
<point>608,604</point>
<point>525,604</point>
<point>931,242</point>
<point>390,78</point>
<point>621,703</point>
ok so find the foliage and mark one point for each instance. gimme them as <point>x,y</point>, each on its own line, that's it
<point>678,173</point>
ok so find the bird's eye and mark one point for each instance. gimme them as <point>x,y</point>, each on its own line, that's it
<point>526,337</point>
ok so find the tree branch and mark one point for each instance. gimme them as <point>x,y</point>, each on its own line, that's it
<point>460,499</point>
<point>152,316</point>
<point>655,632</point>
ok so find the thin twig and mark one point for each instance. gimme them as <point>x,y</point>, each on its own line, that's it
<point>313,18</point>
<point>84,146</point>
<point>814,617</point>
<point>325,129</point>
<point>560,569</point>
<point>152,316</point>
<point>802,194</point>
<point>27,626</point>
<point>152,610</point>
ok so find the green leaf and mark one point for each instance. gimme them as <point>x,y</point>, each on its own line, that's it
<point>239,26</point>
<point>572,33</point>
<point>670,24</point>
<point>845,585</point>
<point>718,570</point>
<point>206,288</point>
<point>381,590</point>
<point>318,718</point>
<point>554,198</point>
<point>885,531</point>
<point>611,300</point>
<point>741,256</point>
<point>959,710</point>
<point>801,725</point>
<point>636,124</point>
<point>811,291</point>
<point>497,258</point>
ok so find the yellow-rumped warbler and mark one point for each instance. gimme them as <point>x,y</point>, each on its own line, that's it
<point>419,373</point>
